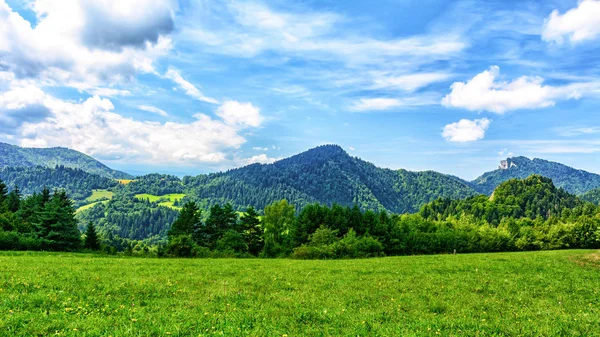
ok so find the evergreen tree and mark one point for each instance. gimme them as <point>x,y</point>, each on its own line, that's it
<point>3,192</point>
<point>251,231</point>
<point>188,220</point>
<point>92,241</point>
<point>58,223</point>
<point>13,200</point>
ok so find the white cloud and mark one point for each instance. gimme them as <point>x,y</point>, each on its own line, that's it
<point>109,92</point>
<point>384,103</point>
<point>189,88</point>
<point>576,25</point>
<point>244,29</point>
<point>351,148</point>
<point>484,92</point>
<point>83,43</point>
<point>154,110</point>
<point>258,148</point>
<point>466,130</point>
<point>236,113</point>
<point>94,128</point>
<point>505,153</point>
<point>409,82</point>
<point>261,159</point>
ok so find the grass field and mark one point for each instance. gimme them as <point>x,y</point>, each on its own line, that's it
<point>171,198</point>
<point>552,293</point>
<point>99,194</point>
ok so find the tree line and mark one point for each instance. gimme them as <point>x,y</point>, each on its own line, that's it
<point>41,221</point>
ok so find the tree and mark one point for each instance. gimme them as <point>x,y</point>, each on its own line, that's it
<point>251,231</point>
<point>58,223</point>
<point>13,200</point>
<point>92,241</point>
<point>3,192</point>
<point>220,220</point>
<point>188,220</point>
<point>279,222</point>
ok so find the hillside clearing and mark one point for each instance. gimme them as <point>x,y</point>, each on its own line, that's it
<point>504,294</point>
<point>99,194</point>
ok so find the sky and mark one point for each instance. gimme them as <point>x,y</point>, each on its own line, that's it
<point>198,86</point>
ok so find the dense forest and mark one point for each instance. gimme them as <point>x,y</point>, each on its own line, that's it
<point>570,179</point>
<point>528,214</point>
<point>14,156</point>
<point>41,221</point>
<point>77,183</point>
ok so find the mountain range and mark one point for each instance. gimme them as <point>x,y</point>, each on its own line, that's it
<point>325,174</point>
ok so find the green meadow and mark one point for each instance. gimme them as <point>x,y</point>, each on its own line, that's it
<point>550,293</point>
<point>166,200</point>
<point>99,195</point>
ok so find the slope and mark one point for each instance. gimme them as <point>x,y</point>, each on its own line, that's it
<point>327,175</point>
<point>572,180</point>
<point>15,156</point>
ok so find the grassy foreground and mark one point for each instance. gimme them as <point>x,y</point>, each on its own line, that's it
<point>552,293</point>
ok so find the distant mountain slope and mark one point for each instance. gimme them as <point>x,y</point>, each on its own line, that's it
<point>14,156</point>
<point>78,184</point>
<point>592,196</point>
<point>572,180</point>
<point>326,174</point>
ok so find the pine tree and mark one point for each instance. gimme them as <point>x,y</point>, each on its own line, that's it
<point>58,223</point>
<point>92,241</point>
<point>251,230</point>
<point>3,192</point>
<point>189,218</point>
<point>13,200</point>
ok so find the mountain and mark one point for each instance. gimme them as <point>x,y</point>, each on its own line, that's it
<point>572,180</point>
<point>77,183</point>
<point>592,196</point>
<point>326,175</point>
<point>533,197</point>
<point>14,156</point>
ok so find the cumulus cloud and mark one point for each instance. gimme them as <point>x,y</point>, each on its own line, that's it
<point>93,127</point>
<point>85,43</point>
<point>261,159</point>
<point>576,25</point>
<point>188,87</point>
<point>154,110</point>
<point>484,92</point>
<point>466,130</point>
<point>242,114</point>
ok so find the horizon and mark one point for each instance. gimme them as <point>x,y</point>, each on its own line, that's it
<point>182,174</point>
<point>193,87</point>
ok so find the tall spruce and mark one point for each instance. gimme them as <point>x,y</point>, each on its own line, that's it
<point>13,200</point>
<point>251,231</point>
<point>58,223</point>
<point>92,241</point>
<point>187,222</point>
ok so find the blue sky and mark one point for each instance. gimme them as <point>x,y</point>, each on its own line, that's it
<point>197,86</point>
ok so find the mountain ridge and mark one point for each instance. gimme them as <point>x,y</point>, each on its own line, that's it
<point>16,156</point>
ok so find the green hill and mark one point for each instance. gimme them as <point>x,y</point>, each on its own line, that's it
<point>15,156</point>
<point>572,180</point>
<point>327,175</point>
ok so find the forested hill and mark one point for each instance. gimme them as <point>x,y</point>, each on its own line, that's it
<point>14,156</point>
<point>77,183</point>
<point>327,175</point>
<point>572,180</point>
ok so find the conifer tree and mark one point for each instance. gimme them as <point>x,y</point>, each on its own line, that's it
<point>189,218</point>
<point>13,200</point>
<point>58,223</point>
<point>251,231</point>
<point>92,241</point>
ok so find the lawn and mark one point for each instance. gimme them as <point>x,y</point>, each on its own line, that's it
<point>170,198</point>
<point>551,293</point>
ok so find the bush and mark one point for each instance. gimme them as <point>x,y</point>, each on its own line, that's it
<point>182,246</point>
